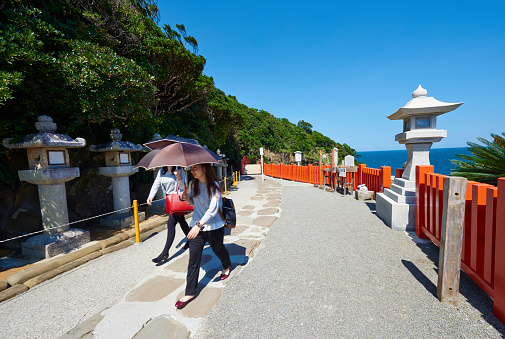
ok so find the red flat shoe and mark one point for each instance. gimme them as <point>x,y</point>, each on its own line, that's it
<point>181,304</point>
<point>224,276</point>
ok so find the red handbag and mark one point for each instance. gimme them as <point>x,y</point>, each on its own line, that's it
<point>174,205</point>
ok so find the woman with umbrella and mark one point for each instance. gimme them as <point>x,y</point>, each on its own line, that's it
<point>207,226</point>
<point>168,178</point>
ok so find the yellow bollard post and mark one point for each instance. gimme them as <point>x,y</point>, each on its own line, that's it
<point>234,179</point>
<point>238,176</point>
<point>225,191</point>
<point>136,217</point>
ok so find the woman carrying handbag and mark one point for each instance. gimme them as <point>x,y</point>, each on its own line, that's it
<point>207,226</point>
<point>168,178</point>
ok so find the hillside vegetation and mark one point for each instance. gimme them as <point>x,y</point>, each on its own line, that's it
<point>95,65</point>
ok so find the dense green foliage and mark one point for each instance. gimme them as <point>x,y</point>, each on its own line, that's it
<point>94,65</point>
<point>252,129</point>
<point>487,162</point>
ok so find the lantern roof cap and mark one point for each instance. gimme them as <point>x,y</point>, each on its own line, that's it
<point>46,137</point>
<point>116,144</point>
<point>421,104</point>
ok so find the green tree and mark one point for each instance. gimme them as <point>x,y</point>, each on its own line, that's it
<point>92,65</point>
<point>305,126</point>
<point>486,163</point>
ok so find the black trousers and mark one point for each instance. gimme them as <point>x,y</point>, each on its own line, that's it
<point>171,222</point>
<point>215,239</point>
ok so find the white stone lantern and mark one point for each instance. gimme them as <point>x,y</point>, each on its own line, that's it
<point>119,168</point>
<point>49,169</point>
<point>420,131</point>
<point>396,206</point>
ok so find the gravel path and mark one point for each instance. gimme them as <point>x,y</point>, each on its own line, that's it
<point>330,268</point>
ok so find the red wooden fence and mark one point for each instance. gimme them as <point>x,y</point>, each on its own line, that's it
<point>375,179</point>
<point>483,251</point>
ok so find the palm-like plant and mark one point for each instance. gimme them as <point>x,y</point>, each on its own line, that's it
<point>487,162</point>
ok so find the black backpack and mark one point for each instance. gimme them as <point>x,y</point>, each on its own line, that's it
<point>228,214</point>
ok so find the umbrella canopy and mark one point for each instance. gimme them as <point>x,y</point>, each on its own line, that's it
<point>168,140</point>
<point>177,154</point>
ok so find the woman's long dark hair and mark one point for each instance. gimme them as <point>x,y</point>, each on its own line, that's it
<point>164,170</point>
<point>212,185</point>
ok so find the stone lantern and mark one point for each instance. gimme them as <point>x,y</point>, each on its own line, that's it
<point>119,167</point>
<point>396,206</point>
<point>219,165</point>
<point>49,169</point>
<point>224,164</point>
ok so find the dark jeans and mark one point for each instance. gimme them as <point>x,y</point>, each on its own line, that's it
<point>171,222</point>
<point>215,239</point>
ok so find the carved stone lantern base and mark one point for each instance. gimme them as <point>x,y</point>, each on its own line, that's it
<point>49,245</point>
<point>397,205</point>
<point>121,220</point>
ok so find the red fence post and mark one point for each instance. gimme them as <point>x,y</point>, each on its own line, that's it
<point>320,168</point>
<point>421,198</point>
<point>359,175</point>
<point>467,236</point>
<point>384,178</point>
<point>499,272</point>
<point>490,230</point>
<point>399,172</point>
<point>478,227</point>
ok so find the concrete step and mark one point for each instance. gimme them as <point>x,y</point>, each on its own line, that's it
<point>403,191</point>
<point>405,183</point>
<point>402,199</point>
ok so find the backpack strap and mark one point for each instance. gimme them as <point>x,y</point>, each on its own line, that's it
<point>221,214</point>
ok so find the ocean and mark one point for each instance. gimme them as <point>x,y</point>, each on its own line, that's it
<point>440,158</point>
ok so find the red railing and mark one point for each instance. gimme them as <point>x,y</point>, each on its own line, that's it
<point>375,179</point>
<point>483,248</point>
<point>309,174</point>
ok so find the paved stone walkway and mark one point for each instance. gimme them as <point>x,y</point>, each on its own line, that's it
<point>148,309</point>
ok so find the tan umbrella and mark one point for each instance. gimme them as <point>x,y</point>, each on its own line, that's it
<point>177,154</point>
<point>172,139</point>
<point>168,140</point>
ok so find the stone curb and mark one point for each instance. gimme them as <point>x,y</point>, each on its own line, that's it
<point>31,272</point>
<point>119,246</point>
<point>12,292</point>
<point>3,285</point>
<point>67,267</point>
<point>22,281</point>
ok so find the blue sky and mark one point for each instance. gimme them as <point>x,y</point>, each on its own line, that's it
<point>344,66</point>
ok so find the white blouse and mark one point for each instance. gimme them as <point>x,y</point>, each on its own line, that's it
<point>168,183</point>
<point>206,209</point>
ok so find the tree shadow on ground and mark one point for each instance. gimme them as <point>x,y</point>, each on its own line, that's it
<point>467,288</point>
